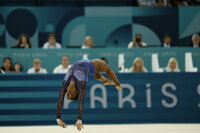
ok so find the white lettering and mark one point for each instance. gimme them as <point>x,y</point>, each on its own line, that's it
<point>198,90</point>
<point>66,102</point>
<point>148,94</point>
<point>94,98</point>
<point>128,98</point>
<point>172,96</point>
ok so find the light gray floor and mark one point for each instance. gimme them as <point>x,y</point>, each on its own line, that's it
<point>131,128</point>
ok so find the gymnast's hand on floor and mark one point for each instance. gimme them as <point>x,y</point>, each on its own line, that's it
<point>79,124</point>
<point>108,82</point>
<point>118,87</point>
<point>61,123</point>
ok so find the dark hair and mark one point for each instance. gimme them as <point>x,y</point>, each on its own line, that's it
<point>104,59</point>
<point>4,59</point>
<point>52,35</point>
<point>21,67</point>
<point>20,40</point>
<point>167,35</point>
<point>7,58</point>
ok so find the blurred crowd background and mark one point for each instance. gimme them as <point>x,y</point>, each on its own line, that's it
<point>18,29</point>
<point>100,2</point>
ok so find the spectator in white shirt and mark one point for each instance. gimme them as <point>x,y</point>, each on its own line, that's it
<point>147,2</point>
<point>52,44</point>
<point>167,40</point>
<point>37,67</point>
<point>172,66</point>
<point>195,40</point>
<point>64,66</point>
<point>88,43</point>
<point>137,42</point>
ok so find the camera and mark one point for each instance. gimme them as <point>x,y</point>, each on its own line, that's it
<point>138,40</point>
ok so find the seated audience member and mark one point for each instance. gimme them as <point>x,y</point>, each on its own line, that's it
<point>163,3</point>
<point>137,42</point>
<point>179,2</point>
<point>147,2</point>
<point>64,66</point>
<point>195,40</point>
<point>18,67</point>
<point>138,66</point>
<point>104,59</point>
<point>52,44</point>
<point>7,65</point>
<point>167,40</point>
<point>134,2</point>
<point>36,67</point>
<point>172,66</point>
<point>88,43</point>
<point>23,42</point>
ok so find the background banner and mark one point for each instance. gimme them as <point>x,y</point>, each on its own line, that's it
<point>52,58</point>
<point>145,98</point>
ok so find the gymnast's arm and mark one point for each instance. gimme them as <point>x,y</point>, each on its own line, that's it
<point>81,99</point>
<point>60,105</point>
<point>112,76</point>
<point>99,77</point>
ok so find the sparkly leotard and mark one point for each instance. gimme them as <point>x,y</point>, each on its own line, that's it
<point>78,72</point>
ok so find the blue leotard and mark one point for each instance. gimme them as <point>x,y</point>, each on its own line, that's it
<point>81,69</point>
<point>78,72</point>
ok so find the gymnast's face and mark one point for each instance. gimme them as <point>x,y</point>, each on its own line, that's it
<point>72,92</point>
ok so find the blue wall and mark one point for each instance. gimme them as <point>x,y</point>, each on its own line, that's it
<point>110,26</point>
<point>153,98</point>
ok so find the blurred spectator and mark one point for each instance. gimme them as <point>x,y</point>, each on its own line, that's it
<point>195,40</point>
<point>52,42</point>
<point>167,40</point>
<point>195,2</point>
<point>64,66</point>
<point>7,65</point>
<point>175,2</point>
<point>37,67</point>
<point>186,2</point>
<point>134,2</point>
<point>23,42</point>
<point>172,66</point>
<point>18,67</point>
<point>138,66</point>
<point>179,2</point>
<point>163,2</point>
<point>1,71</point>
<point>137,42</point>
<point>88,43</point>
<point>104,59</point>
<point>147,2</point>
